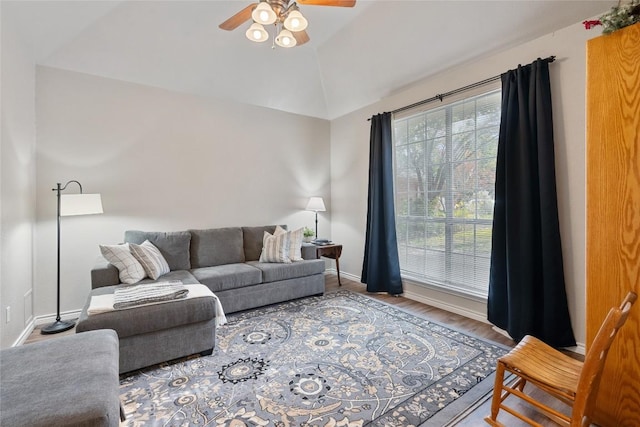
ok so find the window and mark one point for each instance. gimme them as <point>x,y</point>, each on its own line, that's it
<point>445,164</point>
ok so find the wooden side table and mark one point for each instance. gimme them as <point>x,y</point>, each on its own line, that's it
<point>332,251</point>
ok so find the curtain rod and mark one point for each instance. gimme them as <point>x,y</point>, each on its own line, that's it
<point>440,97</point>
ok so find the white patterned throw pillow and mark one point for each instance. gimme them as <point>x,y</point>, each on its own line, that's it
<point>130,270</point>
<point>151,259</point>
<point>295,242</point>
<point>275,248</point>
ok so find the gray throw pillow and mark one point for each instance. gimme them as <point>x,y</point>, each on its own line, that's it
<point>173,245</point>
<point>253,237</point>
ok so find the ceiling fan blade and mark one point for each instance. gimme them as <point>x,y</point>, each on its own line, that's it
<point>301,37</point>
<point>340,3</point>
<point>238,19</point>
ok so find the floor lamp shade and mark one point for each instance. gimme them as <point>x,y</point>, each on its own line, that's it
<point>70,205</point>
<point>80,204</point>
<point>316,204</point>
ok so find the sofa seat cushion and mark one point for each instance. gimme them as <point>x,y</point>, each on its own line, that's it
<point>228,276</point>
<point>182,275</point>
<point>216,246</point>
<point>148,318</point>
<point>275,272</point>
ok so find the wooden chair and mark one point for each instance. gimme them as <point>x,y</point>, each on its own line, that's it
<point>573,382</point>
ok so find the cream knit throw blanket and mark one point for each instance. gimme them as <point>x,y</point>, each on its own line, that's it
<point>147,293</point>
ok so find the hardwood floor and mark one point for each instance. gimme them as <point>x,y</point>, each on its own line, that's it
<point>479,329</point>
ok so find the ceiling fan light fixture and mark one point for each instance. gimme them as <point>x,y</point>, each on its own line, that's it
<point>257,33</point>
<point>286,39</point>
<point>295,21</point>
<point>264,14</point>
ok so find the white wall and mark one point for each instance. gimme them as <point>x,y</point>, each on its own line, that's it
<point>163,161</point>
<point>17,185</point>
<point>350,148</point>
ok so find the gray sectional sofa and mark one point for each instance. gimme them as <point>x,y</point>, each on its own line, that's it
<point>226,260</point>
<point>223,259</point>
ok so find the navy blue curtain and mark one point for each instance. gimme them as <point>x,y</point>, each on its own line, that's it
<point>381,268</point>
<point>526,288</point>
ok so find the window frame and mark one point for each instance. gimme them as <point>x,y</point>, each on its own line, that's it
<point>449,221</point>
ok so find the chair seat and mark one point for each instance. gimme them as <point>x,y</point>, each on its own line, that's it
<point>538,362</point>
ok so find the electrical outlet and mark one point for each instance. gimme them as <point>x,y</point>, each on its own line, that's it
<point>8,314</point>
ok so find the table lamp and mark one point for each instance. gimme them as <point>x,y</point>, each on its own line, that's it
<point>316,204</point>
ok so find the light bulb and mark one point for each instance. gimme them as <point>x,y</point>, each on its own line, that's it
<point>286,39</point>
<point>257,33</point>
<point>295,21</point>
<point>264,14</point>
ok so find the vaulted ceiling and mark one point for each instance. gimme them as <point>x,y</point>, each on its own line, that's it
<point>356,56</point>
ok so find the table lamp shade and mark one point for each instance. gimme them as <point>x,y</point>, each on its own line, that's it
<point>316,204</point>
<point>80,204</point>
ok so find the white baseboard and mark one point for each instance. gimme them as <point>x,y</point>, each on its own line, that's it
<point>44,320</point>
<point>351,277</point>
<point>447,307</point>
<point>501,332</point>
<point>50,318</point>
<point>332,270</point>
<point>580,348</point>
<point>25,333</point>
<point>432,302</point>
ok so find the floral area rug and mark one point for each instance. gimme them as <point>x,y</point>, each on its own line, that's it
<point>342,359</point>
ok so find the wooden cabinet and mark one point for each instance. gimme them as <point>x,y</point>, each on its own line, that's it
<point>613,213</point>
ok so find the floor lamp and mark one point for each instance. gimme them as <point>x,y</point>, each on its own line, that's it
<point>316,204</point>
<point>70,205</point>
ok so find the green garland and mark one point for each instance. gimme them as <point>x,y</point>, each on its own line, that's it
<point>620,16</point>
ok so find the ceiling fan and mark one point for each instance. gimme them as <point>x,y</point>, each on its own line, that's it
<point>289,23</point>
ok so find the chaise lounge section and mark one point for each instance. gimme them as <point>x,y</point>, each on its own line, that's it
<point>156,333</point>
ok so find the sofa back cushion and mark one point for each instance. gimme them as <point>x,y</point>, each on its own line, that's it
<point>173,245</point>
<point>252,237</point>
<point>216,246</point>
